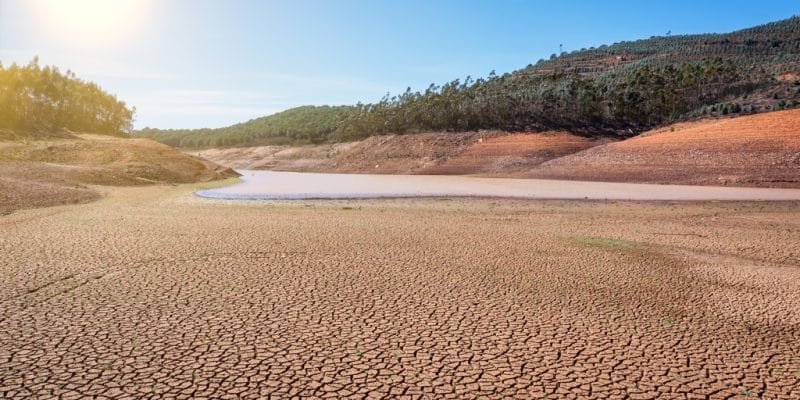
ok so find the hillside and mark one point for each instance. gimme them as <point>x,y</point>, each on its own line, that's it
<point>760,150</point>
<point>424,153</point>
<point>60,169</point>
<point>614,90</point>
<point>771,48</point>
<point>757,150</point>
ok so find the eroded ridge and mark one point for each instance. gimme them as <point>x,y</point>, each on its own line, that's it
<point>168,296</point>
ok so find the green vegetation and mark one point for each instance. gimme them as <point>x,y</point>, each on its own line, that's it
<point>604,242</point>
<point>301,125</point>
<point>623,88</point>
<point>644,98</point>
<point>43,99</point>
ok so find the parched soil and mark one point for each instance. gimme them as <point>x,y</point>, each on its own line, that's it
<point>33,185</point>
<point>155,293</point>
<point>758,150</point>
<point>57,169</point>
<point>424,153</point>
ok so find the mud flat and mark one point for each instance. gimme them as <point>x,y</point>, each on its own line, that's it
<point>153,292</point>
<point>270,185</point>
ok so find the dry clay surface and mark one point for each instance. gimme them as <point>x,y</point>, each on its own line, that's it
<point>424,153</point>
<point>757,150</point>
<point>58,169</point>
<point>151,292</point>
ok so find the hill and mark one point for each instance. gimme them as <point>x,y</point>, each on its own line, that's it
<point>60,169</point>
<point>760,150</point>
<point>43,163</point>
<point>300,125</point>
<point>613,90</point>
<point>757,150</point>
<point>771,48</point>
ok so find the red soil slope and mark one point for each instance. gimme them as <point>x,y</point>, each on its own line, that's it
<point>511,153</point>
<point>756,150</point>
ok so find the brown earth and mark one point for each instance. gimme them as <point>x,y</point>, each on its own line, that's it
<point>758,150</point>
<point>425,153</point>
<point>155,293</point>
<point>57,169</point>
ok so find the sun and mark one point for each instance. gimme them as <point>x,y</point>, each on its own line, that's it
<point>92,17</point>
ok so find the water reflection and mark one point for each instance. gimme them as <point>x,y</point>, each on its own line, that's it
<point>270,185</point>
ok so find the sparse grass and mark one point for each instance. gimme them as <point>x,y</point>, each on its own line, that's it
<point>358,351</point>
<point>604,242</point>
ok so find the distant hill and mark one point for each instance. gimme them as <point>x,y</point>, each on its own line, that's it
<point>618,90</point>
<point>307,124</point>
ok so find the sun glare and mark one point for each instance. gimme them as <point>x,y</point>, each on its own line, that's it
<point>99,18</point>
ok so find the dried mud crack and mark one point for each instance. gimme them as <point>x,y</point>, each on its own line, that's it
<point>154,293</point>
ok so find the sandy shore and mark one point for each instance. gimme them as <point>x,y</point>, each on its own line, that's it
<point>154,292</point>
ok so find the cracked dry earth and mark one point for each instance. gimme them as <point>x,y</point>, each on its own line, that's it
<point>152,293</point>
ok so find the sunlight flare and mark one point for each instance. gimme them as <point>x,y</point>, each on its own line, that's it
<point>93,17</point>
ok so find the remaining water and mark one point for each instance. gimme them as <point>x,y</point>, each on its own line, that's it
<point>270,185</point>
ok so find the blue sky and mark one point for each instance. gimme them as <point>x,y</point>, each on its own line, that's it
<point>204,63</point>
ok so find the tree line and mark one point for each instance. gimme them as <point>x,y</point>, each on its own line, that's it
<point>645,97</point>
<point>639,99</point>
<point>300,125</point>
<point>44,99</point>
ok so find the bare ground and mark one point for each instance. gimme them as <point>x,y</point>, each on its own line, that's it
<point>62,169</point>
<point>425,153</point>
<point>758,150</point>
<point>152,292</point>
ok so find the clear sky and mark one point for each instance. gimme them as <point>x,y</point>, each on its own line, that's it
<point>211,63</point>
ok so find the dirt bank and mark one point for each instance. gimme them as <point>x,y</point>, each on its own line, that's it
<point>58,170</point>
<point>759,150</point>
<point>425,153</point>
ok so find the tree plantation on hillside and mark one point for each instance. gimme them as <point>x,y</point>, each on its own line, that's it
<point>644,98</point>
<point>625,87</point>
